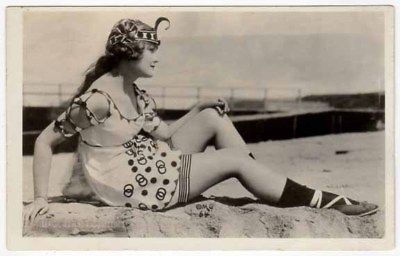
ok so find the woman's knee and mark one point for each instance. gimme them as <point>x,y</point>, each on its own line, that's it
<point>210,113</point>
<point>212,118</point>
<point>237,157</point>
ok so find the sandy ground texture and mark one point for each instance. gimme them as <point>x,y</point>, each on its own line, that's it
<point>348,164</point>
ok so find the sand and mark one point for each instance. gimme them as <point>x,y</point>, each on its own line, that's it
<point>348,164</point>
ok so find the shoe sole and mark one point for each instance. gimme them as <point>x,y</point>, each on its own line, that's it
<point>368,213</point>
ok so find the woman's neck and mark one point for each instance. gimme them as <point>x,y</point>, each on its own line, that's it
<point>128,77</point>
<point>128,81</point>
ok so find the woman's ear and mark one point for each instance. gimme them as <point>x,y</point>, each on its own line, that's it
<point>114,72</point>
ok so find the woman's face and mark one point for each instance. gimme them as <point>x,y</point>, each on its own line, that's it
<point>145,66</point>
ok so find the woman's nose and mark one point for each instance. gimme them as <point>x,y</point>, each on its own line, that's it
<point>155,57</point>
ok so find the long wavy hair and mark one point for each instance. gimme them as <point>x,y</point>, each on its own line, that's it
<point>109,62</point>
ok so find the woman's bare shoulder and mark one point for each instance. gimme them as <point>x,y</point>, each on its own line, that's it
<point>97,100</point>
<point>106,83</point>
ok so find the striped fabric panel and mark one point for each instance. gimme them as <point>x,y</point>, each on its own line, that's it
<point>184,182</point>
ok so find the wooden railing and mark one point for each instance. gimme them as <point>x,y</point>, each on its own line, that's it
<point>172,97</point>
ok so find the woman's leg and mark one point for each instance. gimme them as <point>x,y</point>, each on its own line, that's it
<point>208,125</point>
<point>210,168</point>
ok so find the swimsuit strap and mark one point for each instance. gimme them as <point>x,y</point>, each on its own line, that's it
<point>143,96</point>
<point>148,107</point>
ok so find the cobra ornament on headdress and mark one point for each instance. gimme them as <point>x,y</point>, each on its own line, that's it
<point>126,33</point>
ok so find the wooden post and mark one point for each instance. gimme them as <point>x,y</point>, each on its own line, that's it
<point>265,99</point>
<point>340,123</point>
<point>299,96</point>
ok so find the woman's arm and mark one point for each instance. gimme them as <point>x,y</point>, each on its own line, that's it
<point>99,107</point>
<point>43,152</point>
<point>165,131</point>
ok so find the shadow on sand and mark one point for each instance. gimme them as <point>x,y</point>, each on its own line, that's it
<point>241,201</point>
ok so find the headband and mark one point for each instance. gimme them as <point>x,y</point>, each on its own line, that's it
<point>126,32</point>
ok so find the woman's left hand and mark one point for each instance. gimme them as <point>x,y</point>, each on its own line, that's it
<point>220,104</point>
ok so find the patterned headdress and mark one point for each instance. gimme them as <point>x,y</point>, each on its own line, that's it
<point>126,33</point>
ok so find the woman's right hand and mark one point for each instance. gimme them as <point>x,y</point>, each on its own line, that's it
<point>38,206</point>
<point>220,104</point>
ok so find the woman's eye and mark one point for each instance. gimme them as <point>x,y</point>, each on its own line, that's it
<point>152,49</point>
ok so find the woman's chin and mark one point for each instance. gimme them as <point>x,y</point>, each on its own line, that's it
<point>147,75</point>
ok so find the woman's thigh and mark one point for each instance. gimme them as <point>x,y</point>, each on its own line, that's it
<point>210,168</point>
<point>196,134</point>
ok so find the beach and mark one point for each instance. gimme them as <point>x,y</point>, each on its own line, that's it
<point>351,164</point>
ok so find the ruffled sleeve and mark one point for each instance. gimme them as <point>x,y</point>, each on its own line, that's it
<point>148,109</point>
<point>95,105</point>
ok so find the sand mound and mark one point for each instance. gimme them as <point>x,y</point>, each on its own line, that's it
<point>347,164</point>
<point>217,217</point>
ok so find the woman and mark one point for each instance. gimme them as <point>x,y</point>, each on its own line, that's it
<point>132,158</point>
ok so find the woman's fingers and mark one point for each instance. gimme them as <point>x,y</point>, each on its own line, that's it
<point>30,216</point>
<point>219,110</point>
<point>226,106</point>
<point>44,210</point>
<point>32,211</point>
<point>33,214</point>
<point>220,104</point>
<point>27,215</point>
<point>223,105</point>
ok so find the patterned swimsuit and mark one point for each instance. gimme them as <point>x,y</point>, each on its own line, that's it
<point>122,162</point>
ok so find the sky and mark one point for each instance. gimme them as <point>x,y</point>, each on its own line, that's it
<point>317,51</point>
